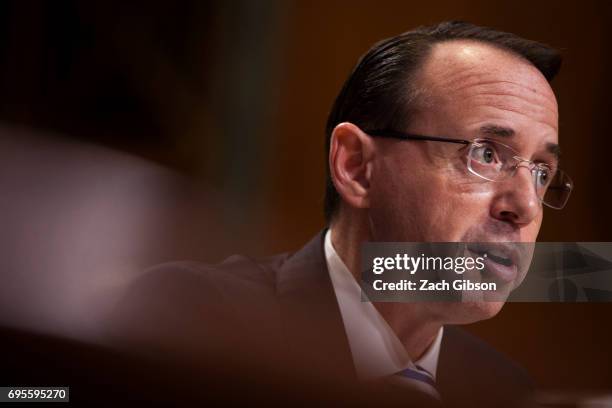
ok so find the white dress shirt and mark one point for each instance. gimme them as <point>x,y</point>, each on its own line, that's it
<point>377,352</point>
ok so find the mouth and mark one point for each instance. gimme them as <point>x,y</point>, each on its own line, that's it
<point>501,260</point>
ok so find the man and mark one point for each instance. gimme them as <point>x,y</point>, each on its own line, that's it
<point>392,177</point>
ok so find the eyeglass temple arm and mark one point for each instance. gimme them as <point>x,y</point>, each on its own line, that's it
<point>409,136</point>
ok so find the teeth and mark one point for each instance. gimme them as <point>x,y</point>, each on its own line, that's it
<point>500,259</point>
<point>497,254</point>
<point>490,252</point>
<point>479,251</point>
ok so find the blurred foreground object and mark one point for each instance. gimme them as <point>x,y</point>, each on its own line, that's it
<point>79,221</point>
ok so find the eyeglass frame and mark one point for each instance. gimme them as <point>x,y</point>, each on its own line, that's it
<point>393,134</point>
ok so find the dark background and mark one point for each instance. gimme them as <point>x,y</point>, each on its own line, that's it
<point>234,96</point>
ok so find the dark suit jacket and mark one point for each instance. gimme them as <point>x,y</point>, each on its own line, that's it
<point>282,313</point>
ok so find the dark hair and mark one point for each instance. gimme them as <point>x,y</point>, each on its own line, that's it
<point>380,92</point>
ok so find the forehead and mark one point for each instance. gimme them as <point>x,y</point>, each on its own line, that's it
<point>471,83</point>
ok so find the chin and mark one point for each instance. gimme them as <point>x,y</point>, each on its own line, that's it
<point>467,312</point>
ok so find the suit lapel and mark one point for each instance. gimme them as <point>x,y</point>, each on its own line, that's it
<point>311,318</point>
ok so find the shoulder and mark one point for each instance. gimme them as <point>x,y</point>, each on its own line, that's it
<point>188,287</point>
<point>235,274</point>
<point>470,369</point>
<point>460,345</point>
<point>186,304</point>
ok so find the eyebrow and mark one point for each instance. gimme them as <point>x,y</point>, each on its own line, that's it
<point>496,130</point>
<point>554,149</point>
<point>502,131</point>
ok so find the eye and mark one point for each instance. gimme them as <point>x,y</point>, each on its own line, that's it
<point>543,175</point>
<point>488,155</point>
<point>485,154</point>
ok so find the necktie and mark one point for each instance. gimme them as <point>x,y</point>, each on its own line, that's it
<point>417,378</point>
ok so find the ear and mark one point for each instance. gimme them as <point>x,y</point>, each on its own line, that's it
<point>350,161</point>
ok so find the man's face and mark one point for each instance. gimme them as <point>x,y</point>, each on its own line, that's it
<point>423,192</point>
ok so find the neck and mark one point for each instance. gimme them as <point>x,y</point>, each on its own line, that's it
<point>413,324</point>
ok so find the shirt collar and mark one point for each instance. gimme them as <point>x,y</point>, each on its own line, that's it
<point>376,350</point>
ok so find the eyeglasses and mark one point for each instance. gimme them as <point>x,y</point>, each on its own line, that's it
<point>495,161</point>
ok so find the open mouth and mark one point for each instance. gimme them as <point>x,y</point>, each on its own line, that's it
<point>500,259</point>
<point>493,252</point>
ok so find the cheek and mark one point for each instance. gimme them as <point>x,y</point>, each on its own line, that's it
<point>459,205</point>
<point>530,232</point>
<point>394,206</point>
<point>424,205</point>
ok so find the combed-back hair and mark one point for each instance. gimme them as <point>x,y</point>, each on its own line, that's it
<point>380,92</point>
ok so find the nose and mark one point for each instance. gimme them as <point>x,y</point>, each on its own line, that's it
<point>515,199</point>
